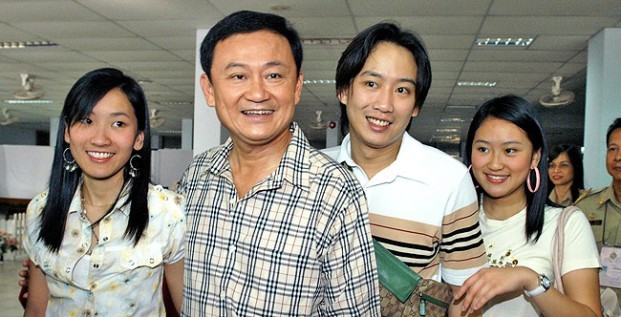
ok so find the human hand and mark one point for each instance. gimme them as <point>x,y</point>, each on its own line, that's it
<point>490,282</point>
<point>23,293</point>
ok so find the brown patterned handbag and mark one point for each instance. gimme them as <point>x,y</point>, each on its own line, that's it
<point>405,293</point>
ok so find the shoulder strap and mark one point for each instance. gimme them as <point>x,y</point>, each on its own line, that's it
<point>558,244</point>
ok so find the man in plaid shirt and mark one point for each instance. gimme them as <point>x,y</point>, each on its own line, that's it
<point>275,228</point>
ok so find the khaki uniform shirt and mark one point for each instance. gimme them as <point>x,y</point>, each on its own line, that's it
<point>603,210</point>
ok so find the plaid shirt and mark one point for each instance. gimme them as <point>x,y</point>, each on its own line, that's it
<point>298,243</point>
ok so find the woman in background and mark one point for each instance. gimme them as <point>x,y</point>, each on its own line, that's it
<point>507,151</point>
<point>566,174</point>
<point>100,237</point>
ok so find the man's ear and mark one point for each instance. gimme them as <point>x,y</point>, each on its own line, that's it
<point>207,88</point>
<point>298,87</point>
<point>416,111</point>
<point>342,95</point>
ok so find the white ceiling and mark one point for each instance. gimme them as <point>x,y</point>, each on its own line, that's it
<point>154,41</point>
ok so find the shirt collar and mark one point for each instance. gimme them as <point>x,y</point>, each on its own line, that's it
<point>405,165</point>
<point>293,167</point>
<point>76,201</point>
<point>609,195</point>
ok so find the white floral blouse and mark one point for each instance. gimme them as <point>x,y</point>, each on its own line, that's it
<point>118,278</point>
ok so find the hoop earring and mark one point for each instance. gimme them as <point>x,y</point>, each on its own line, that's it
<point>69,165</point>
<point>133,172</point>
<point>538,180</point>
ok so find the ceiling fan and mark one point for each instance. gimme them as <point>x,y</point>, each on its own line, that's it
<point>557,97</point>
<point>318,124</point>
<point>28,91</point>
<point>155,119</point>
<point>7,118</point>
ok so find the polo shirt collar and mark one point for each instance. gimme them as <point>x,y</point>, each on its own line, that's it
<point>405,165</point>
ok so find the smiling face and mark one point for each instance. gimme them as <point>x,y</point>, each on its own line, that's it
<point>254,87</point>
<point>102,143</point>
<point>380,100</point>
<point>613,156</point>
<point>502,156</point>
<point>561,171</point>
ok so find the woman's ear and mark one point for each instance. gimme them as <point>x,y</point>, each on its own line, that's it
<point>536,159</point>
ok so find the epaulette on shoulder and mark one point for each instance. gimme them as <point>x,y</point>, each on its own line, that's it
<point>587,193</point>
<point>596,191</point>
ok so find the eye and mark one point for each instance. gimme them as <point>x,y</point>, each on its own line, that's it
<point>238,76</point>
<point>403,90</point>
<point>86,121</point>
<point>510,151</point>
<point>274,76</point>
<point>612,148</point>
<point>551,165</point>
<point>483,149</point>
<point>118,124</point>
<point>371,84</point>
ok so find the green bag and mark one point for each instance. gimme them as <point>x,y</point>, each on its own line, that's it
<point>393,274</point>
<point>405,293</point>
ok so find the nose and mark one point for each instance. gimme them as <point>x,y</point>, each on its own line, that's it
<point>257,91</point>
<point>100,136</point>
<point>384,101</point>
<point>495,162</point>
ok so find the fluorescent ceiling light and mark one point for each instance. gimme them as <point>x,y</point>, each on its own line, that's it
<point>30,102</point>
<point>452,120</point>
<point>447,130</point>
<point>476,83</point>
<point>506,41</point>
<point>326,41</point>
<point>319,81</point>
<point>27,44</point>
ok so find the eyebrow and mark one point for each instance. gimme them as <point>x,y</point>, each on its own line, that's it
<point>504,143</point>
<point>266,65</point>
<point>378,75</point>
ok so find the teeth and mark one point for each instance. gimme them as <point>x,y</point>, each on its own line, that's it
<point>378,122</point>
<point>258,112</point>
<point>496,177</point>
<point>100,155</point>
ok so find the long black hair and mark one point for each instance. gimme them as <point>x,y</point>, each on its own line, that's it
<point>519,112</point>
<point>575,158</point>
<point>80,101</point>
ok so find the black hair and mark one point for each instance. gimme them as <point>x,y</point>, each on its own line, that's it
<point>357,52</point>
<point>615,125</point>
<point>79,103</point>
<point>247,22</point>
<point>575,158</point>
<point>518,111</point>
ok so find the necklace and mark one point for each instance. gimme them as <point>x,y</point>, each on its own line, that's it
<point>96,222</point>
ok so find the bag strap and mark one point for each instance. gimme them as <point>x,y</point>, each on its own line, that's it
<point>558,245</point>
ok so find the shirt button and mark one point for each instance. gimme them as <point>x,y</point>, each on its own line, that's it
<point>105,239</point>
<point>96,265</point>
<point>131,262</point>
<point>222,294</point>
<point>151,260</point>
<point>68,270</point>
<point>232,249</point>
<point>232,201</point>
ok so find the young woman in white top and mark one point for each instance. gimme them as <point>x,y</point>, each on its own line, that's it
<point>507,151</point>
<point>101,235</point>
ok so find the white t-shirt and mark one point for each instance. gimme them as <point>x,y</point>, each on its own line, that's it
<point>506,245</point>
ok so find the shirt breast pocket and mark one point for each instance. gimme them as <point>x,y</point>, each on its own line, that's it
<point>150,256</point>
